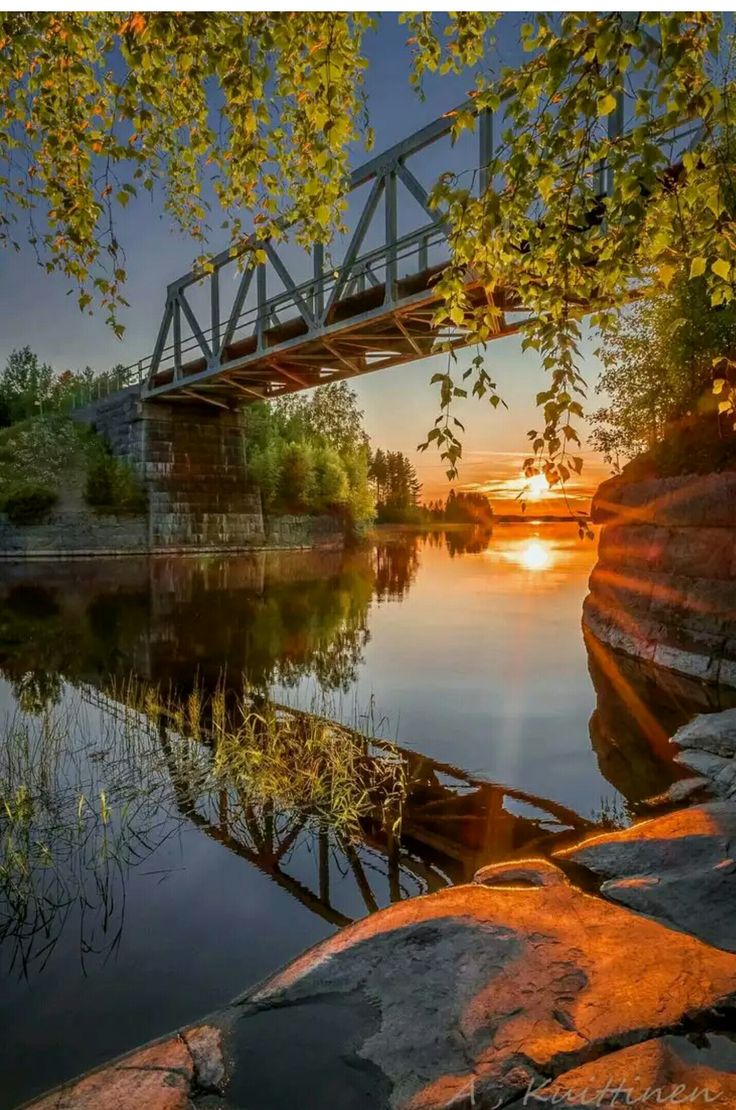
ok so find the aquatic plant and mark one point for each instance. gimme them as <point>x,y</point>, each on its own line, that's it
<point>82,799</point>
<point>292,759</point>
<point>302,761</point>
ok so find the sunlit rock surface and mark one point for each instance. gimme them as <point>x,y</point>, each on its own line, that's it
<point>666,1071</point>
<point>499,985</point>
<point>162,1076</point>
<point>679,868</point>
<point>484,988</point>
<point>664,587</point>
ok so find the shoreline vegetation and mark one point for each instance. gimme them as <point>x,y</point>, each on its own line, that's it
<point>305,455</point>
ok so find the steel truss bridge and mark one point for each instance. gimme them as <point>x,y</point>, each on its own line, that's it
<point>268,332</point>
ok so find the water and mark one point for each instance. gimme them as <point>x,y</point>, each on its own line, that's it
<point>516,737</point>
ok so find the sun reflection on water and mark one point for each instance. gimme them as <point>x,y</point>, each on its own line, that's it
<point>536,554</point>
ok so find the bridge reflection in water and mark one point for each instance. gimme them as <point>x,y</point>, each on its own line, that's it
<point>274,620</point>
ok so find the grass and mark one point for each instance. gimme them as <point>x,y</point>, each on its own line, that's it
<point>82,799</point>
<point>304,762</point>
<point>93,784</point>
<point>293,760</point>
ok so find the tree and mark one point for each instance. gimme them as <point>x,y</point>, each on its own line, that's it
<point>468,508</point>
<point>309,455</point>
<point>26,385</point>
<point>658,367</point>
<point>396,485</point>
<point>99,104</point>
<point>297,481</point>
<point>328,415</point>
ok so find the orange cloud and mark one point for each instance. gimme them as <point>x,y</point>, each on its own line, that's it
<point>499,475</point>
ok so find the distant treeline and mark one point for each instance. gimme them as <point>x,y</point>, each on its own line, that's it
<point>461,508</point>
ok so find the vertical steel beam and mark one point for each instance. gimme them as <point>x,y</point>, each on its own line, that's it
<point>485,147</point>
<point>615,131</point>
<point>423,253</point>
<point>215,314</point>
<point>391,235</point>
<point>177,339</point>
<point>261,294</point>
<point>318,299</point>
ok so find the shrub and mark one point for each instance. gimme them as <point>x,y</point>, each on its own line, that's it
<point>113,486</point>
<point>331,481</point>
<point>297,481</point>
<point>28,502</point>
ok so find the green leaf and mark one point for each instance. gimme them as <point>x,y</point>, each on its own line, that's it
<point>697,267</point>
<point>606,104</point>
<point>722,268</point>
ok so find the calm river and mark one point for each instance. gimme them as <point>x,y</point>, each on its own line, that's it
<point>132,901</point>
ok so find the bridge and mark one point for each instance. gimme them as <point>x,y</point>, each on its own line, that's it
<point>245,332</point>
<point>273,318</point>
<point>241,332</point>
<point>238,331</point>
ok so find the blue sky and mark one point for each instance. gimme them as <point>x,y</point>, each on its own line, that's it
<point>398,403</point>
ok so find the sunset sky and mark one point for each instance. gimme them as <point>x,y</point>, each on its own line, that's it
<point>399,404</point>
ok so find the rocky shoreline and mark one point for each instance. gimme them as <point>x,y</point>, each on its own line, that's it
<point>523,988</point>
<point>663,589</point>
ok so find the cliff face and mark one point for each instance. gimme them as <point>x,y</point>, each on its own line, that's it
<point>664,586</point>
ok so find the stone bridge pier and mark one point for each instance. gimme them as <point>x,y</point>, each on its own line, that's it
<point>191,458</point>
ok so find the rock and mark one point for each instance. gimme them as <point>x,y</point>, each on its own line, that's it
<point>709,732</point>
<point>678,868</point>
<point>205,1046</point>
<point>719,771</point>
<point>665,1071</point>
<point>157,1077</point>
<point>679,791</point>
<point>491,985</point>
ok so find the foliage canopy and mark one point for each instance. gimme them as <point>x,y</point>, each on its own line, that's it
<point>255,112</point>
<point>658,368</point>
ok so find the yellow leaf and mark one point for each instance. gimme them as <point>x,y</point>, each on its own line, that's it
<point>606,104</point>
<point>724,406</point>
<point>697,267</point>
<point>722,268</point>
<point>718,384</point>
<point>666,274</point>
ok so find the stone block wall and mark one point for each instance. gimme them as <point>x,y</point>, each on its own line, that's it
<point>192,461</point>
<point>302,531</point>
<point>74,532</point>
<point>195,471</point>
<point>664,586</point>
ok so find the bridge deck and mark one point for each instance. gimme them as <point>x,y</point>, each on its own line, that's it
<point>365,332</point>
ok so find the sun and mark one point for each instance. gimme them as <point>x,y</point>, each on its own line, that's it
<point>536,487</point>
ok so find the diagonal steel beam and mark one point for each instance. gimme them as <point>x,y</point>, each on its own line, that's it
<point>290,285</point>
<point>355,243</point>
<point>163,331</point>
<point>194,325</point>
<point>237,308</point>
<point>418,191</point>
